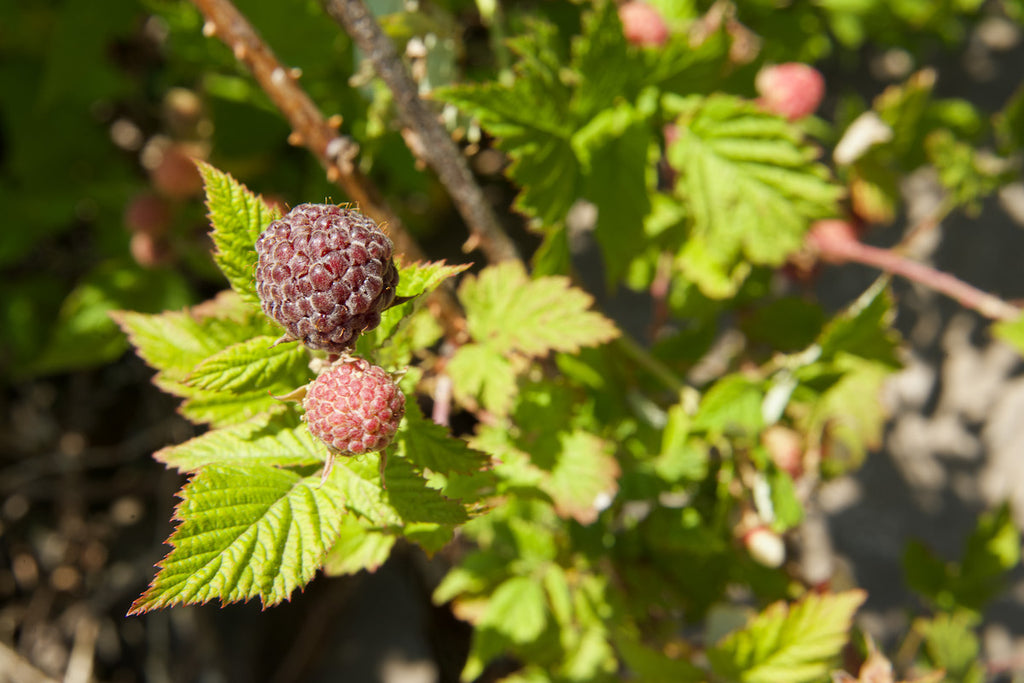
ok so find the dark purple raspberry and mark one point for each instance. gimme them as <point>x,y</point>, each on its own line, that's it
<point>354,407</point>
<point>325,273</point>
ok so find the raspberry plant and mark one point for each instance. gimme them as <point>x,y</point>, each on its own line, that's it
<point>610,494</point>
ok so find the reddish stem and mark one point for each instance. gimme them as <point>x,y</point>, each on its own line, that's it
<point>889,261</point>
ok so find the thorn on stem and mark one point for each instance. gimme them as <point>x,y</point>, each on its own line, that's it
<point>209,29</point>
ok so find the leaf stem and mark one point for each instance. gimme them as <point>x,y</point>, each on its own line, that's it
<point>643,358</point>
<point>893,262</point>
<point>431,142</point>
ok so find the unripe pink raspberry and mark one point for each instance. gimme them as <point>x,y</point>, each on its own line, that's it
<point>354,407</point>
<point>642,24</point>
<point>326,274</point>
<point>793,90</point>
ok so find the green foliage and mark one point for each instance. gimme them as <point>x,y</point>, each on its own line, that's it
<point>603,490</point>
<point>245,532</point>
<point>992,550</point>
<point>750,186</point>
<point>238,217</point>
<point>788,643</point>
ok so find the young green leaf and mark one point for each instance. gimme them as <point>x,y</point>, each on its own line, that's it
<point>238,217</point>
<point>252,365</point>
<point>529,121</point>
<point>357,548</point>
<point>407,498</point>
<point>584,480</point>
<point>408,327</point>
<point>174,342</point>
<point>430,446</point>
<point>953,646</point>
<point>614,150</point>
<point>509,312</point>
<point>222,408</point>
<point>750,184</point>
<point>479,373</point>
<point>788,643</point>
<point>517,610</point>
<point>280,440</point>
<point>245,532</point>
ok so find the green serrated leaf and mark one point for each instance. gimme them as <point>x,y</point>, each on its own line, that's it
<point>238,217</point>
<point>252,365</point>
<point>245,532</point>
<point>279,440</point>
<point>613,149</point>
<point>357,549</point>
<point>509,312</point>
<point>407,498</point>
<point>430,446</point>
<point>953,646</point>
<point>175,342</point>
<point>529,121</point>
<point>788,643</point>
<point>864,329</point>
<point>733,403</point>
<point>222,408</point>
<point>517,610</point>
<point>409,326</point>
<point>750,185</point>
<point>482,374</point>
<point>602,44</point>
<point>584,480</point>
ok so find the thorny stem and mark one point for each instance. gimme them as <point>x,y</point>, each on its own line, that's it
<point>890,261</point>
<point>316,133</point>
<point>432,143</point>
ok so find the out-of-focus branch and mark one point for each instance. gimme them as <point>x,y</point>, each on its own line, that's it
<point>311,130</point>
<point>969,296</point>
<point>432,144</point>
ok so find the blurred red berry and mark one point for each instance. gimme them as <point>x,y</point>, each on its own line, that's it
<point>642,24</point>
<point>147,213</point>
<point>176,175</point>
<point>793,90</point>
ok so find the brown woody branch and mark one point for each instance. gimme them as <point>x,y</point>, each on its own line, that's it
<point>434,144</point>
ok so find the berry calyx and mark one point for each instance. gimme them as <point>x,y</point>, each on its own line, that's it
<point>793,90</point>
<point>326,274</point>
<point>642,24</point>
<point>354,407</point>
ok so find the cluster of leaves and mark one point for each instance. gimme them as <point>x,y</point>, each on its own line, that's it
<point>603,503</point>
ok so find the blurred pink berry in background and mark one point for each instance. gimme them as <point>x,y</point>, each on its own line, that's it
<point>642,24</point>
<point>793,90</point>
